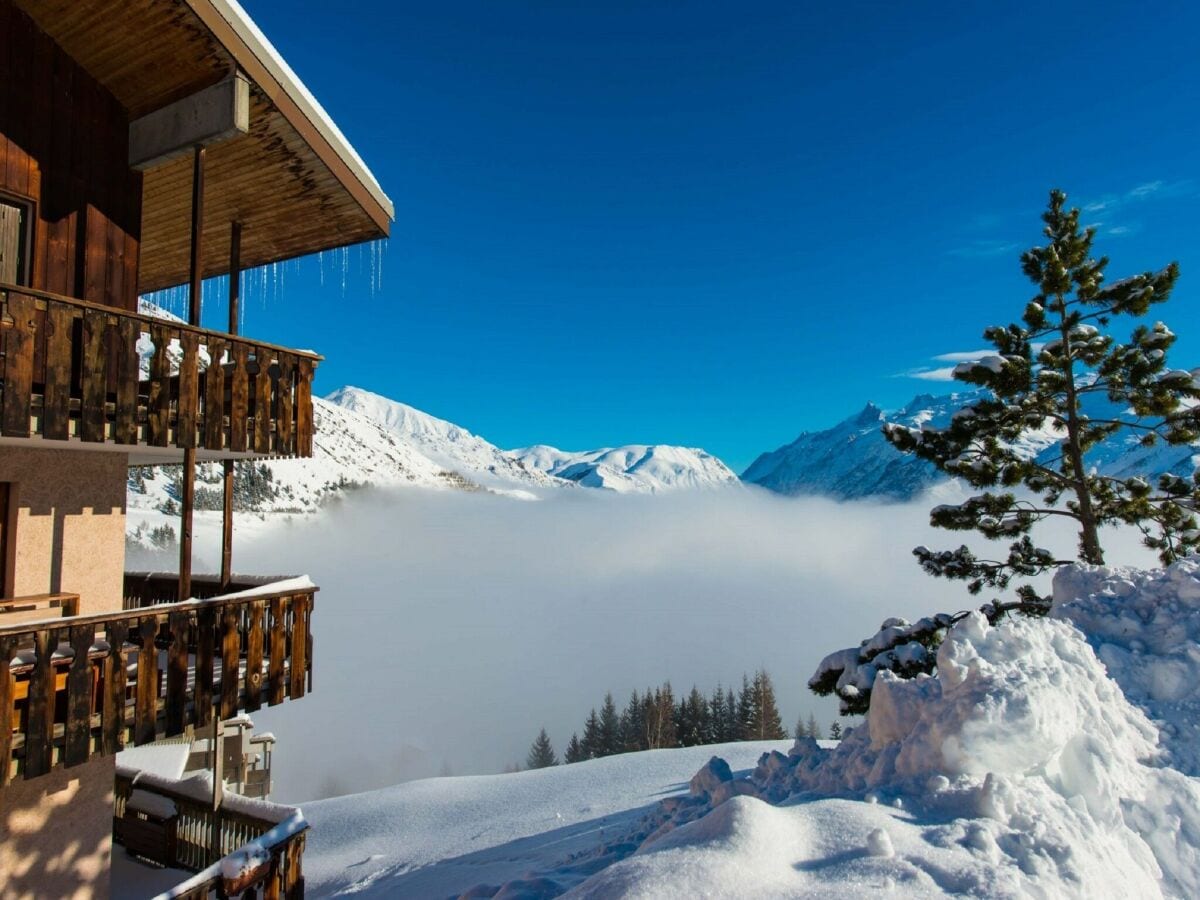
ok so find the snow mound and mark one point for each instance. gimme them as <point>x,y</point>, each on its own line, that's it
<point>1145,627</point>
<point>1019,769</point>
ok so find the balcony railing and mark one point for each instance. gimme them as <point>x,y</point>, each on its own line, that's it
<point>171,823</point>
<point>89,685</point>
<point>72,370</point>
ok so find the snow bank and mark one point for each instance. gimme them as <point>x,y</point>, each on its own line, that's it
<point>1145,627</point>
<point>1018,769</point>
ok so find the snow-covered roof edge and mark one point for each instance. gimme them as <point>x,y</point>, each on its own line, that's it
<point>266,54</point>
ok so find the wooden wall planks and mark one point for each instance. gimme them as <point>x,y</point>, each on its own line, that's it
<point>64,148</point>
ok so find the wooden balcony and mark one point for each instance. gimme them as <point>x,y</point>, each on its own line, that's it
<point>179,834</point>
<point>85,686</point>
<point>71,370</point>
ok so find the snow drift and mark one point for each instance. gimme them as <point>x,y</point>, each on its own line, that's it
<point>1019,769</point>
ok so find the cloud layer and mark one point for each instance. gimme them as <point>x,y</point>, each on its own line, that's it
<point>450,627</point>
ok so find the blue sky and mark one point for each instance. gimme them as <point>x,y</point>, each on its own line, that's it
<point>721,224</point>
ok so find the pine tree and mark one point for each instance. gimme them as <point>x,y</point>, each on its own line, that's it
<point>592,745</point>
<point>716,717</point>
<point>732,725</point>
<point>1045,370</point>
<point>814,730</point>
<point>633,725</point>
<point>541,753</point>
<point>745,710</point>
<point>763,723</point>
<point>660,718</point>
<point>610,728</point>
<point>691,724</point>
<point>801,730</point>
<point>835,731</point>
<point>574,752</point>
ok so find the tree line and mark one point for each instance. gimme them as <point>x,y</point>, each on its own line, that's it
<point>655,719</point>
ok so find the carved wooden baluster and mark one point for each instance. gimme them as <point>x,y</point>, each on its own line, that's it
<point>231,650</point>
<point>299,673</point>
<point>125,426</point>
<point>39,735</point>
<point>206,642</point>
<point>304,407</point>
<point>56,400</point>
<point>239,398</point>
<point>214,396</point>
<point>189,390</point>
<point>77,746</point>
<point>262,402</point>
<point>278,652</point>
<point>145,720</point>
<point>95,375</point>
<point>18,365</point>
<point>158,406</point>
<point>254,655</point>
<point>284,430</point>
<point>177,672</point>
<point>113,732</point>
<point>8,646</point>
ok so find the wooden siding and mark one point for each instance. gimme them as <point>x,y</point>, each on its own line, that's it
<point>64,148</point>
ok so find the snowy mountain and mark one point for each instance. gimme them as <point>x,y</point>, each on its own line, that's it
<point>448,446</point>
<point>637,468</point>
<point>853,460</point>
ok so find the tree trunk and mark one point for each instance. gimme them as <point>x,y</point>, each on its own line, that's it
<point>1089,537</point>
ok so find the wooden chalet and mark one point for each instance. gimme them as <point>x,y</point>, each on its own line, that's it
<point>144,144</point>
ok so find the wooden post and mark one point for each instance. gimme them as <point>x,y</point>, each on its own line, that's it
<point>235,271</point>
<point>189,454</point>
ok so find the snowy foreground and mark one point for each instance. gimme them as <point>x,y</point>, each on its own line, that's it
<point>1023,768</point>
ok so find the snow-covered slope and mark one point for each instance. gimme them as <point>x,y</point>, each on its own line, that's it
<point>853,460</point>
<point>447,445</point>
<point>1023,768</point>
<point>637,468</point>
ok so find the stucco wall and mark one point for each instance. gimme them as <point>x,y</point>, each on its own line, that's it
<point>56,833</point>
<point>70,524</point>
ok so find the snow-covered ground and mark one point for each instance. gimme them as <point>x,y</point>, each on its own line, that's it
<point>442,836</point>
<point>1022,768</point>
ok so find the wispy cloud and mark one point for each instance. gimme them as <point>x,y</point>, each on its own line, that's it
<point>943,374</point>
<point>984,247</point>
<point>1158,189</point>
<point>958,356</point>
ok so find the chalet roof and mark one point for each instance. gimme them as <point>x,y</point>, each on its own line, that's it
<point>293,180</point>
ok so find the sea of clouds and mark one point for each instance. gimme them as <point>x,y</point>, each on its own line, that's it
<point>450,627</point>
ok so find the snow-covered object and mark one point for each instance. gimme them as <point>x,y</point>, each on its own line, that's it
<point>636,468</point>
<point>154,805</point>
<point>1019,769</point>
<point>1145,627</point>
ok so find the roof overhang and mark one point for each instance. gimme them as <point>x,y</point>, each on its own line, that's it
<point>292,180</point>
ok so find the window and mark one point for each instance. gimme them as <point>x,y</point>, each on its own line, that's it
<point>15,220</point>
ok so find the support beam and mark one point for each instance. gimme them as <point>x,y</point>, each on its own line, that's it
<point>235,271</point>
<point>188,481</point>
<point>206,117</point>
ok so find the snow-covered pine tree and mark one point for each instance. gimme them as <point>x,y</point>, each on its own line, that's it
<point>541,753</point>
<point>574,751</point>
<point>1045,368</point>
